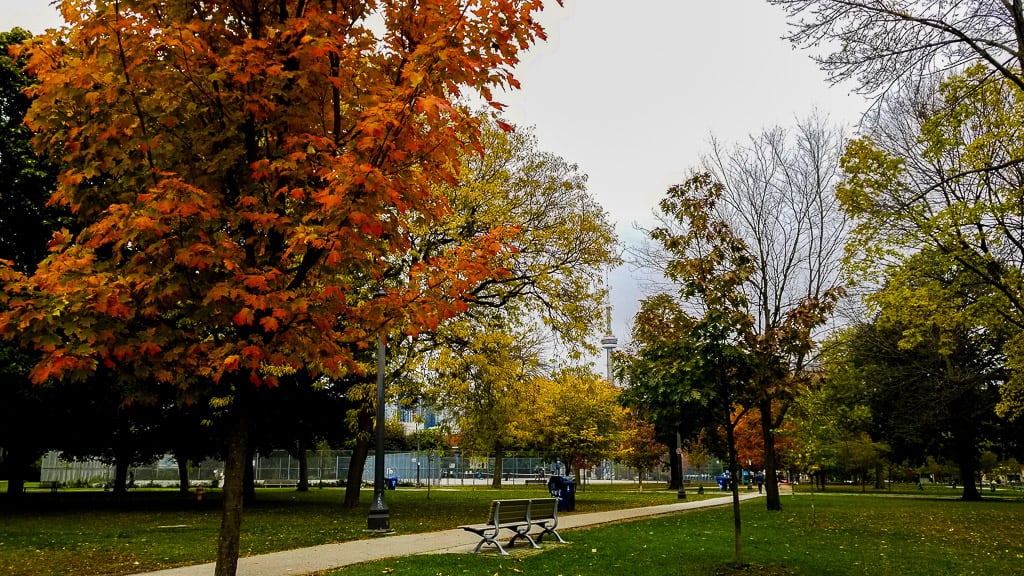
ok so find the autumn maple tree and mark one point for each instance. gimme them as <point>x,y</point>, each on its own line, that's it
<point>699,356</point>
<point>779,197</point>
<point>244,177</point>
<point>639,448</point>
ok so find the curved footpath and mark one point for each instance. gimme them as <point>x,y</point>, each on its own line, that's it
<point>330,556</point>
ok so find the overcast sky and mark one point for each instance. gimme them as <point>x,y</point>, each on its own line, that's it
<point>632,91</point>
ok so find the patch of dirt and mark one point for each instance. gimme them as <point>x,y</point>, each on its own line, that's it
<point>753,569</point>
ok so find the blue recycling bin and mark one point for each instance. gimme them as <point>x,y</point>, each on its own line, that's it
<point>392,482</point>
<point>723,482</point>
<point>563,488</point>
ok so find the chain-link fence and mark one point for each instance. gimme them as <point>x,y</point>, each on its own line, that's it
<point>330,467</point>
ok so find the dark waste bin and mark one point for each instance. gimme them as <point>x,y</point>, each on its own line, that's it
<point>392,482</point>
<point>563,488</point>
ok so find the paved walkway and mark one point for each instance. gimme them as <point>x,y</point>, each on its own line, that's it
<point>330,556</point>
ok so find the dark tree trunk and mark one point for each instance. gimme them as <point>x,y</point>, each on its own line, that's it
<point>966,438</point>
<point>17,471</point>
<point>773,501</point>
<point>358,461</point>
<point>303,485</point>
<point>249,483</point>
<point>15,488</point>
<point>183,479</point>
<point>734,486</point>
<point>675,480</point>
<point>234,486</point>
<point>968,471</point>
<point>120,476</point>
<point>499,453</point>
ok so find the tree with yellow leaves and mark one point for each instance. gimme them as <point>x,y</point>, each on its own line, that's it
<point>579,419</point>
<point>489,386</point>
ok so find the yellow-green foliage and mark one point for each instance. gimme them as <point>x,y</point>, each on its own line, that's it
<point>563,240</point>
<point>579,417</point>
<point>489,385</point>
<point>936,197</point>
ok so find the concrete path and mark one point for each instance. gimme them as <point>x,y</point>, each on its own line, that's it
<point>330,556</point>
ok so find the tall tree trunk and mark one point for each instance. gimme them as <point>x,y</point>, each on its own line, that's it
<point>303,485</point>
<point>120,475</point>
<point>183,479</point>
<point>675,480</point>
<point>968,473</point>
<point>122,447</point>
<point>965,441</point>
<point>249,477</point>
<point>734,485</point>
<point>499,454</point>
<point>15,488</point>
<point>773,501</point>
<point>234,486</point>
<point>358,461</point>
<point>17,471</point>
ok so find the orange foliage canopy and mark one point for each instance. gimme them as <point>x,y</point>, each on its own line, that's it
<point>245,175</point>
<point>750,442</point>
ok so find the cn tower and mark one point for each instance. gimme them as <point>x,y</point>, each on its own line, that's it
<point>609,342</point>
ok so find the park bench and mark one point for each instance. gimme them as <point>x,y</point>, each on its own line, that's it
<point>518,516</point>
<point>280,483</point>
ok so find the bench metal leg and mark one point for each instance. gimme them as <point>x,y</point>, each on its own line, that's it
<point>487,537</point>
<point>551,530</point>
<point>487,540</point>
<point>522,533</point>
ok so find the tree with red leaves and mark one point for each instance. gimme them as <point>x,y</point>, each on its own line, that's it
<point>245,175</point>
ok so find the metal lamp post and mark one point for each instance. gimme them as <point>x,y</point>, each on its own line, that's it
<point>379,519</point>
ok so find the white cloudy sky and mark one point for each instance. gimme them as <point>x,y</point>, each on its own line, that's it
<point>632,91</point>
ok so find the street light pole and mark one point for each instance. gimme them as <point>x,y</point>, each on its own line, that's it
<point>379,519</point>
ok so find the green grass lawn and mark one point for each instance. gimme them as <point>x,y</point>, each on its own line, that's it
<point>830,534</point>
<point>86,532</point>
<point>904,533</point>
